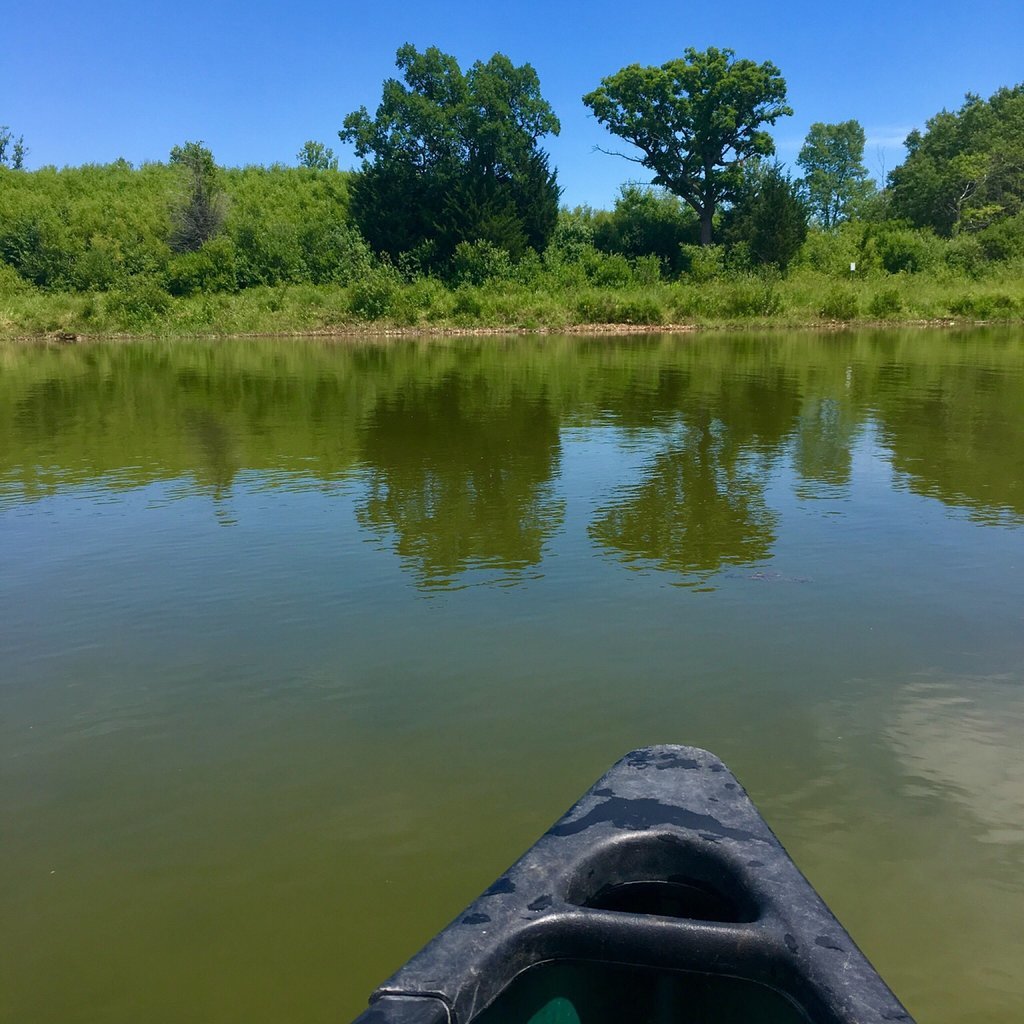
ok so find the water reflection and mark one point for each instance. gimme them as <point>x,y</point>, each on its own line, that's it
<point>457,446</point>
<point>462,477</point>
<point>699,507</point>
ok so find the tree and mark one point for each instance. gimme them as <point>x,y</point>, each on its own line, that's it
<point>451,157</point>
<point>966,170</point>
<point>317,156</point>
<point>768,215</point>
<point>16,159</point>
<point>200,215</point>
<point>696,120</point>
<point>835,176</point>
<point>647,221</point>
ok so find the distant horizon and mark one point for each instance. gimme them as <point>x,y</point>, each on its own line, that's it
<point>122,82</point>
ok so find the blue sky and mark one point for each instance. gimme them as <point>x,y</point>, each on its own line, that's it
<point>89,82</point>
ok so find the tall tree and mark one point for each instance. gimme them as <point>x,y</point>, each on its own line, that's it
<point>317,157</point>
<point>769,215</point>
<point>695,120</point>
<point>18,150</point>
<point>966,170</point>
<point>452,156</point>
<point>200,215</point>
<point>836,179</point>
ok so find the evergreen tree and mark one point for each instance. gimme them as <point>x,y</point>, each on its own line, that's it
<point>452,157</point>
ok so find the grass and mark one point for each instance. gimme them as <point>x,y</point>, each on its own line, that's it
<point>548,300</point>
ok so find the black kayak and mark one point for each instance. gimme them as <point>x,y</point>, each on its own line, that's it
<point>661,897</point>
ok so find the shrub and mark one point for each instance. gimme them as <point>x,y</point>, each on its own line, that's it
<point>423,299</point>
<point>595,308</point>
<point>840,304</point>
<point>885,303</point>
<point>467,304</point>
<point>1004,240</point>
<point>208,269</point>
<point>607,269</point>
<point>832,252</point>
<point>479,261</point>
<point>703,262</point>
<point>333,252</point>
<point>11,282</point>
<point>639,309</point>
<point>965,254</point>
<point>647,270</point>
<point>751,298</point>
<point>984,306</point>
<point>138,305</point>
<point>901,250</point>
<point>372,295</point>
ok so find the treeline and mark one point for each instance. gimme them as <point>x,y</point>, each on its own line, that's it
<point>453,216</point>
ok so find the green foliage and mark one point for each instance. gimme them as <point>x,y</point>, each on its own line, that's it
<point>454,158</point>
<point>900,250</point>
<point>836,179</point>
<point>703,262</point>
<point>885,303</point>
<point>317,157</point>
<point>840,303</point>
<point>832,252</point>
<point>477,262</point>
<point>986,306</point>
<point>966,170</point>
<point>1004,240</point>
<point>373,295</point>
<point>208,269</point>
<point>696,120</point>
<point>572,237</point>
<point>966,254</point>
<point>12,150</point>
<point>768,216</point>
<point>646,221</point>
<point>11,282</point>
<point>137,306</point>
<point>200,215</point>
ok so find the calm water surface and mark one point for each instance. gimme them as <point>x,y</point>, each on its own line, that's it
<point>301,644</point>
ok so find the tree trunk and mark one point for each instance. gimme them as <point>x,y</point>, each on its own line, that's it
<point>705,225</point>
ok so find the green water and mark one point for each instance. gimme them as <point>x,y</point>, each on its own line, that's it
<point>301,644</point>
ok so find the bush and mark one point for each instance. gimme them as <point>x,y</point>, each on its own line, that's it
<point>479,261</point>
<point>98,268</point>
<point>372,295</point>
<point>703,262</point>
<point>333,252</point>
<point>640,309</point>
<point>208,269</point>
<point>965,254</point>
<point>647,270</point>
<point>840,304</point>
<point>901,250</point>
<point>467,304</point>
<point>985,306</point>
<point>832,252</point>
<point>1004,240</point>
<point>607,269</point>
<point>138,305</point>
<point>885,303</point>
<point>426,298</point>
<point>751,298</point>
<point>11,282</point>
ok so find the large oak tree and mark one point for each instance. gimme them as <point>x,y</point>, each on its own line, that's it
<point>695,120</point>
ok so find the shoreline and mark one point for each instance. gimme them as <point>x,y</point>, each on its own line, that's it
<point>372,332</point>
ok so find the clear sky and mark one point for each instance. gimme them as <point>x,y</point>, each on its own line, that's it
<point>93,81</point>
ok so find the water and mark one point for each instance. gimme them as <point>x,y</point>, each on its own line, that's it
<point>302,643</point>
